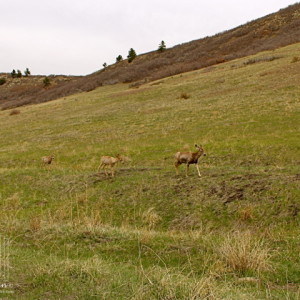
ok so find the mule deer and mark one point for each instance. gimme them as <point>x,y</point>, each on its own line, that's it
<point>189,158</point>
<point>110,162</point>
<point>47,160</point>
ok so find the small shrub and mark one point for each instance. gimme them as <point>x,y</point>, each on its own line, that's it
<point>220,81</point>
<point>250,61</point>
<point>242,252</point>
<point>261,59</point>
<point>2,81</point>
<point>220,60</point>
<point>151,218</point>
<point>46,82</point>
<point>184,96</point>
<point>35,224</point>
<point>135,85</point>
<point>295,59</point>
<point>14,112</point>
<point>246,214</point>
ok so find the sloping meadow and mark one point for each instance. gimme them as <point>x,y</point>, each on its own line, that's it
<point>75,233</point>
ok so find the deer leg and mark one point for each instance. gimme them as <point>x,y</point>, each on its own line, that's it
<point>100,166</point>
<point>112,172</point>
<point>187,170</point>
<point>105,170</point>
<point>176,167</point>
<point>198,170</point>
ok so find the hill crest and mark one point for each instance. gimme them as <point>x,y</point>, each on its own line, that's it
<point>266,33</point>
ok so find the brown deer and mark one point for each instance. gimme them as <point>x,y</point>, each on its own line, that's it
<point>110,162</point>
<point>189,158</point>
<point>47,160</point>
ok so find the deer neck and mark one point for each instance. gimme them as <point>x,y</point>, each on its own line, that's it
<point>198,153</point>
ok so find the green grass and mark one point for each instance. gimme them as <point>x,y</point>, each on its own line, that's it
<point>147,233</point>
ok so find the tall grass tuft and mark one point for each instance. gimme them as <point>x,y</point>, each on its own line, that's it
<point>160,283</point>
<point>151,218</point>
<point>242,252</point>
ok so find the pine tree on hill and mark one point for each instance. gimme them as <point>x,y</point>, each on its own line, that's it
<point>19,74</point>
<point>13,73</point>
<point>131,55</point>
<point>27,72</point>
<point>162,47</point>
<point>119,58</point>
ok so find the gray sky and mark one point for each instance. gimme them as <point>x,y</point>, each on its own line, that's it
<point>75,37</point>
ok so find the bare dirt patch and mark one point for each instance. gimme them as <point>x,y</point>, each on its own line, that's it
<point>237,188</point>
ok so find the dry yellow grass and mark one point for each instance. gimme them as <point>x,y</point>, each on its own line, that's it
<point>242,251</point>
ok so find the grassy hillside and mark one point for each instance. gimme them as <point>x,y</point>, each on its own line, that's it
<point>267,33</point>
<point>147,233</point>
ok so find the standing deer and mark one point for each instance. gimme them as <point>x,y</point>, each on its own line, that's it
<point>110,162</point>
<point>47,160</point>
<point>189,158</point>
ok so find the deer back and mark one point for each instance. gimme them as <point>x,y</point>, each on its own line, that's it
<point>109,160</point>
<point>47,159</point>
<point>183,157</point>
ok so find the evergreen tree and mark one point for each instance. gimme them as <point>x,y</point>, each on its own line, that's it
<point>131,55</point>
<point>46,82</point>
<point>27,72</point>
<point>19,74</point>
<point>13,73</point>
<point>119,58</point>
<point>162,46</point>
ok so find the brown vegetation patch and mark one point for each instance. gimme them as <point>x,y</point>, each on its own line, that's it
<point>184,96</point>
<point>261,59</point>
<point>295,59</point>
<point>14,112</point>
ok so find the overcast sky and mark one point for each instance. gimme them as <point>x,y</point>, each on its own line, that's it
<point>75,37</point>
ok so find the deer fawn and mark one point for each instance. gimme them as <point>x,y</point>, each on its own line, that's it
<point>189,158</point>
<point>110,162</point>
<point>47,160</point>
